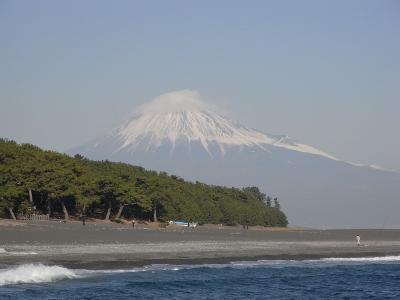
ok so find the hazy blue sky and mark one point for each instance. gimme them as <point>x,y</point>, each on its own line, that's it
<point>324,72</point>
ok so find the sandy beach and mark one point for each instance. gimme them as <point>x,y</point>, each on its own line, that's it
<point>100,245</point>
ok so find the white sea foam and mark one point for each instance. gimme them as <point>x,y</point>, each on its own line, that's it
<point>5,252</point>
<point>363,259</point>
<point>21,253</point>
<point>261,263</point>
<point>246,264</point>
<point>320,262</point>
<point>35,273</point>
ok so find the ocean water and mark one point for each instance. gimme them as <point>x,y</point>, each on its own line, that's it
<point>335,278</point>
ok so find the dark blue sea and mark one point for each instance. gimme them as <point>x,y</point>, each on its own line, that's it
<point>361,278</point>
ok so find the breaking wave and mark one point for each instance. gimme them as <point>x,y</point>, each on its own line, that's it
<point>39,273</point>
<point>35,273</point>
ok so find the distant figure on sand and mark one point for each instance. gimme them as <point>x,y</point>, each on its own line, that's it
<point>83,218</point>
<point>133,224</point>
<point>358,239</point>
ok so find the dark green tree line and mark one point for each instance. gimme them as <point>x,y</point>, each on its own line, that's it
<point>67,186</point>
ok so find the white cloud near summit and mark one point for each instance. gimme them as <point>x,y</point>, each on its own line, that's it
<point>175,101</point>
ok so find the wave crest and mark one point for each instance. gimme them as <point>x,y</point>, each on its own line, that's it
<point>35,273</point>
<point>392,258</point>
<point>5,252</point>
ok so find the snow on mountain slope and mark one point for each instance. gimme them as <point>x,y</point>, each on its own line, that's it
<point>182,116</point>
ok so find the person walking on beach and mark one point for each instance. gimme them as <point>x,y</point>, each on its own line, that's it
<point>133,224</point>
<point>358,240</point>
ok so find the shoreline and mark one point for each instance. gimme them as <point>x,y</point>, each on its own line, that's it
<point>117,246</point>
<point>126,264</point>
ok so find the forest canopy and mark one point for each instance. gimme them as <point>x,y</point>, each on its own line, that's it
<point>61,185</point>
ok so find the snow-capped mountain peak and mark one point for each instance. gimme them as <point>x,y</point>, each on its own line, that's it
<point>180,134</point>
<point>183,117</point>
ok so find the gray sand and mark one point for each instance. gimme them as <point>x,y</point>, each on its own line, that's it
<point>101,246</point>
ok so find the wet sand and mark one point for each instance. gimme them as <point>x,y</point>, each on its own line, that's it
<point>115,246</point>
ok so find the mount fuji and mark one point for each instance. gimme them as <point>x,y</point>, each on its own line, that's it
<point>179,133</point>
